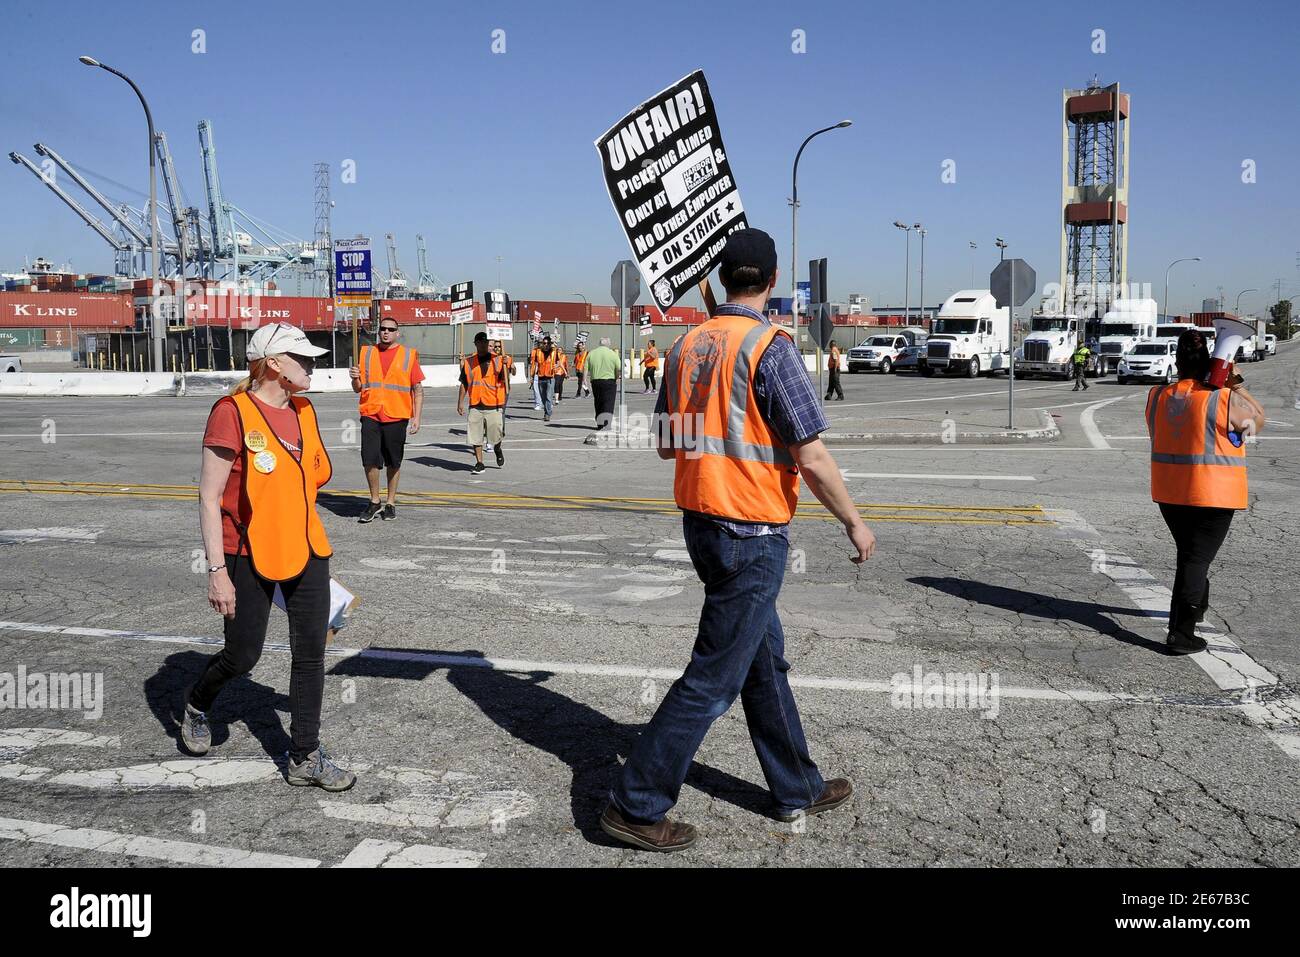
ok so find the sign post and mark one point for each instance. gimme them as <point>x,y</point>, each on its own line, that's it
<point>352,288</point>
<point>625,288</point>
<point>1012,282</point>
<point>819,314</point>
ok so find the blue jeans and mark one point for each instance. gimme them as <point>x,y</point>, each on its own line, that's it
<point>544,390</point>
<point>738,652</point>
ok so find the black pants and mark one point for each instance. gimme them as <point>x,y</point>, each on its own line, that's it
<point>559,387</point>
<point>1198,532</point>
<point>581,376</point>
<point>648,377</point>
<point>835,387</point>
<point>307,599</point>
<point>604,391</point>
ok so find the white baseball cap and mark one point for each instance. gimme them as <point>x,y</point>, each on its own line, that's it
<point>280,338</point>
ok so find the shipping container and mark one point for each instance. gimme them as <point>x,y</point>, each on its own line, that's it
<point>21,338</point>
<point>418,312</point>
<point>79,310</point>
<point>251,311</point>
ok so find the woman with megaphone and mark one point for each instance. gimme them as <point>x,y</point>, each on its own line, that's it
<point>1198,427</point>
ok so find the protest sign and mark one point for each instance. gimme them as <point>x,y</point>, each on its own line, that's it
<point>670,181</point>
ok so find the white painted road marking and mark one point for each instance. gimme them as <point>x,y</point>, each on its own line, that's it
<point>1227,664</point>
<point>374,853</point>
<point>1090,427</point>
<point>951,476</point>
<point>136,845</point>
<point>26,536</point>
<point>586,669</point>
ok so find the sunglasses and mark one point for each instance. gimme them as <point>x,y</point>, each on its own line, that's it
<point>307,362</point>
<point>388,328</point>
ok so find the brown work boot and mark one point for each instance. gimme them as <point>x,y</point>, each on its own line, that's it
<point>664,835</point>
<point>837,793</point>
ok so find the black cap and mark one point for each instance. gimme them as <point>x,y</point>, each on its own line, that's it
<point>480,337</point>
<point>748,247</point>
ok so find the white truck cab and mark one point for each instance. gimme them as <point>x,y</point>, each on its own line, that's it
<point>970,336</point>
<point>1126,323</point>
<point>1150,359</point>
<point>1270,344</point>
<point>1047,348</point>
<point>882,350</point>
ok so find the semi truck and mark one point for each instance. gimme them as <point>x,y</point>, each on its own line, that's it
<point>1048,346</point>
<point>1126,323</point>
<point>970,336</point>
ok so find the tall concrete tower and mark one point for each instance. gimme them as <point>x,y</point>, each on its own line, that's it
<point>1094,198</point>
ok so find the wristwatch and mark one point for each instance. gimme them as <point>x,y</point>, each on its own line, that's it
<point>216,568</point>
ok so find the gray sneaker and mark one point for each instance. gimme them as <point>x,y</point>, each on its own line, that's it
<point>318,770</point>
<point>196,736</point>
<point>389,513</point>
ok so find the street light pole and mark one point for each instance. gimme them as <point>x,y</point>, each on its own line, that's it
<point>588,310</point>
<point>973,247</point>
<point>907,270</point>
<point>1189,259</point>
<point>794,230</point>
<point>921,295</point>
<point>1236,309</point>
<point>157,332</point>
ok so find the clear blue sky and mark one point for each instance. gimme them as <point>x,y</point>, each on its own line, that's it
<point>491,155</point>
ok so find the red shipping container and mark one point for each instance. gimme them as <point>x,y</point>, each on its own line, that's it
<point>249,312</point>
<point>421,312</point>
<point>79,310</point>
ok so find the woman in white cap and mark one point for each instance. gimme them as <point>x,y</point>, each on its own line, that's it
<point>263,460</point>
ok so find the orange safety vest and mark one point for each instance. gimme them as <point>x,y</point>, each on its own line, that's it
<point>731,464</point>
<point>544,366</point>
<point>490,389</point>
<point>561,363</point>
<point>391,393</point>
<point>651,358</point>
<point>277,509</point>
<point>1193,462</point>
<point>580,360</point>
<point>833,358</point>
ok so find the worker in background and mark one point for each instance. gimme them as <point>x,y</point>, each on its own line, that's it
<point>388,378</point>
<point>580,365</point>
<point>542,368</point>
<point>737,484</point>
<point>833,367</point>
<point>1198,475</point>
<point>263,461</point>
<point>649,367</point>
<point>484,379</point>
<point>1079,361</point>
<point>603,367</point>
<point>561,371</point>
<point>532,376</point>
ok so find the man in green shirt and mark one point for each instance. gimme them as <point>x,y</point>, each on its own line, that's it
<point>602,371</point>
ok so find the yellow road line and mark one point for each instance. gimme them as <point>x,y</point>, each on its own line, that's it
<point>917,514</point>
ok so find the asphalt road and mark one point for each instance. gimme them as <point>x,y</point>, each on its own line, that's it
<point>519,627</point>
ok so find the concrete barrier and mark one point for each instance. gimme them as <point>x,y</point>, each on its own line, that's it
<point>89,383</point>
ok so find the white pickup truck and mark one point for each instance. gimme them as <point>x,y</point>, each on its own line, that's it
<point>11,363</point>
<point>881,352</point>
<point>971,335</point>
<point>1047,348</point>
